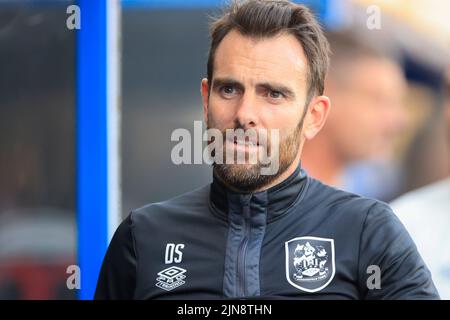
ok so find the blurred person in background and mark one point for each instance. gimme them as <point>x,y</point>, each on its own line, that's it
<point>367,87</point>
<point>423,159</point>
<point>426,215</point>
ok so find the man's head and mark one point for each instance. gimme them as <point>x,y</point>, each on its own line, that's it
<point>266,70</point>
<point>367,88</point>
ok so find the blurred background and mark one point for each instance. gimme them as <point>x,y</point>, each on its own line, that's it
<point>385,83</point>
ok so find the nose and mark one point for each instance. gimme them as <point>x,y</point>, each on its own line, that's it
<point>247,111</point>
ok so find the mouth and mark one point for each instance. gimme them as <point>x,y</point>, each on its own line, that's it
<point>245,146</point>
<point>245,142</point>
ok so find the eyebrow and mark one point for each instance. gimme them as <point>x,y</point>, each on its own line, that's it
<point>278,87</point>
<point>219,82</point>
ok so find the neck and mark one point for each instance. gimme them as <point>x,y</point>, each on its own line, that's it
<point>273,201</point>
<point>321,162</point>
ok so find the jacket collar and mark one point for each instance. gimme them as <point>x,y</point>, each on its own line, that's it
<point>274,201</point>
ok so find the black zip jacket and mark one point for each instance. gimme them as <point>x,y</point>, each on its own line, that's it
<point>300,239</point>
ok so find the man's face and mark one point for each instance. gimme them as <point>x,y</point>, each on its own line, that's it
<point>369,113</point>
<point>257,84</point>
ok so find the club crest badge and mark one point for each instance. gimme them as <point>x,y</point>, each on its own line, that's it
<point>310,263</point>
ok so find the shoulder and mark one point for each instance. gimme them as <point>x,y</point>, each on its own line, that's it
<point>189,203</point>
<point>320,194</point>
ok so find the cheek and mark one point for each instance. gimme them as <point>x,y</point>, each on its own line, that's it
<point>374,121</point>
<point>285,130</point>
<point>284,118</point>
<point>220,113</point>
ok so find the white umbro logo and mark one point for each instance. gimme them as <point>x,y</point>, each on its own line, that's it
<point>172,277</point>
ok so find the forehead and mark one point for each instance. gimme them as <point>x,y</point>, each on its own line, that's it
<point>280,58</point>
<point>376,73</point>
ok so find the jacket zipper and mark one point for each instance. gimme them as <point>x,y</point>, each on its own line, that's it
<point>242,292</point>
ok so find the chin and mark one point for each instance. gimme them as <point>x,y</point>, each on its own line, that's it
<point>243,177</point>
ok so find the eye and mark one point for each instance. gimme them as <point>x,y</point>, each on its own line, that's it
<point>228,91</point>
<point>275,94</point>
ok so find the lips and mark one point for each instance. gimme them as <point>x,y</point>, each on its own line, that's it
<point>247,143</point>
<point>244,146</point>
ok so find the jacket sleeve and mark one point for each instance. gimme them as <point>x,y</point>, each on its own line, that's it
<point>386,244</point>
<point>117,279</point>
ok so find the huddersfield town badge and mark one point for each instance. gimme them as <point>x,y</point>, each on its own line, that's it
<point>310,263</point>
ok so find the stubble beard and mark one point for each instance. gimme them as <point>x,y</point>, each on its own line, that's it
<point>248,177</point>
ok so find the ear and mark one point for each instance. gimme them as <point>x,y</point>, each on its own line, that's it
<point>204,89</point>
<point>316,116</point>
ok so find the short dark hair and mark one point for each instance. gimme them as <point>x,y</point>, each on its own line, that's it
<point>348,46</point>
<point>268,18</point>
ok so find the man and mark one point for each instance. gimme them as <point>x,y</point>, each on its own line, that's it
<point>426,214</point>
<point>367,88</point>
<point>248,234</point>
